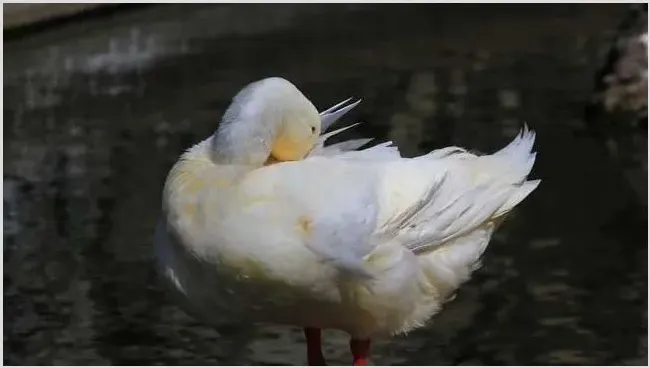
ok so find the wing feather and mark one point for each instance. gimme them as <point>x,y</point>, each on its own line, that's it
<point>422,203</point>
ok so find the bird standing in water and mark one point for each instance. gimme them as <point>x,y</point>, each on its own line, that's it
<point>264,222</point>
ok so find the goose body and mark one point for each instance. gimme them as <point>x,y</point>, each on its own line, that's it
<point>363,241</point>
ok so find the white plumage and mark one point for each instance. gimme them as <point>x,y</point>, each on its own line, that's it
<point>363,241</point>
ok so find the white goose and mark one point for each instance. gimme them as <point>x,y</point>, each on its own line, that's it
<point>263,222</point>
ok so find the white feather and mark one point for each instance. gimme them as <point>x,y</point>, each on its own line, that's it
<point>363,241</point>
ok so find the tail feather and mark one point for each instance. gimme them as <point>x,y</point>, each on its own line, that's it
<point>517,158</point>
<point>520,146</point>
<point>524,190</point>
<point>455,236</point>
<point>475,191</point>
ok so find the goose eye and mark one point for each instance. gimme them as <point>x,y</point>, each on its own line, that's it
<point>313,130</point>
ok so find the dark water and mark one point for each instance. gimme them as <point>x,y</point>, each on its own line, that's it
<point>96,112</point>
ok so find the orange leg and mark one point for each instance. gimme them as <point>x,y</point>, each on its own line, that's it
<point>360,351</point>
<point>314,352</point>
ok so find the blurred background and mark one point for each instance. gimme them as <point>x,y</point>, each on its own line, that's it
<point>99,101</point>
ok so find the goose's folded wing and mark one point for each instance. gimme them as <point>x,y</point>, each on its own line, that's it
<point>406,202</point>
<point>352,206</point>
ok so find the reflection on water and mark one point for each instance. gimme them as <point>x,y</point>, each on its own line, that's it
<point>96,113</point>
